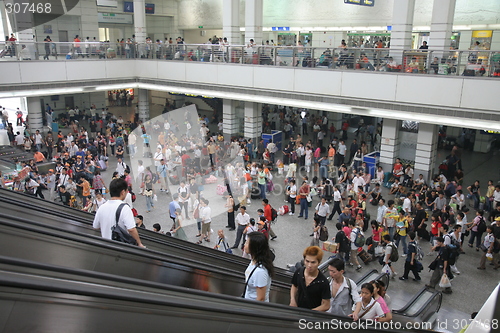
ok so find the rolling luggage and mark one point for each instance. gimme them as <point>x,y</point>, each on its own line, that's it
<point>363,255</point>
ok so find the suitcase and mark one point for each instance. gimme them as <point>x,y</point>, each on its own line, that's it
<point>469,72</point>
<point>363,255</point>
<point>255,193</point>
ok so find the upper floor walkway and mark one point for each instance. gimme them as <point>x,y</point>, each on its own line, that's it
<point>366,82</point>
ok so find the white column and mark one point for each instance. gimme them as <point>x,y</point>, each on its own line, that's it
<point>143,104</point>
<point>140,26</point>
<point>426,153</point>
<point>443,13</point>
<point>253,21</point>
<point>230,122</point>
<point>23,24</point>
<point>389,147</point>
<point>35,114</point>
<point>402,26</point>
<point>253,121</point>
<point>231,21</point>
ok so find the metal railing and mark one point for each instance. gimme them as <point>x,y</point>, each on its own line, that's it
<point>435,62</point>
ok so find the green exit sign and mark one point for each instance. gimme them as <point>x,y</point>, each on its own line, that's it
<point>200,27</point>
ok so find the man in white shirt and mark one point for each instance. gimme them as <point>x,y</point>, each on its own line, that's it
<point>38,140</point>
<point>322,210</point>
<point>51,184</point>
<point>341,152</point>
<point>120,167</point>
<point>357,181</point>
<point>407,204</point>
<point>132,139</point>
<point>381,211</point>
<point>337,203</point>
<point>158,156</point>
<point>105,217</point>
<point>242,220</point>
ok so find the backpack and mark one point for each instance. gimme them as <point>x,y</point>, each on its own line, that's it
<point>323,233</point>
<point>155,178</point>
<point>134,197</point>
<point>454,244</point>
<point>419,254</point>
<point>274,214</point>
<point>360,240</point>
<point>394,253</point>
<point>481,226</point>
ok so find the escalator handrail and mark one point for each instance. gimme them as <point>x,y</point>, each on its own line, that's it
<point>125,248</point>
<point>64,285</point>
<point>435,294</point>
<point>147,235</point>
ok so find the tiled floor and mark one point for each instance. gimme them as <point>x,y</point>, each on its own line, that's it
<point>470,289</point>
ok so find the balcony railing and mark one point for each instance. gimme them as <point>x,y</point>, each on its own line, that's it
<point>435,62</point>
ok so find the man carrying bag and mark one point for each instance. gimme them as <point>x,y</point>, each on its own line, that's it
<point>115,218</point>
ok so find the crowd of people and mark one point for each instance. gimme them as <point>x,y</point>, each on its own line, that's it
<point>178,155</point>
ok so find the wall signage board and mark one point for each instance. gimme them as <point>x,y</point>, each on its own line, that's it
<point>115,18</point>
<point>281,28</point>
<point>369,3</point>
<point>128,6</point>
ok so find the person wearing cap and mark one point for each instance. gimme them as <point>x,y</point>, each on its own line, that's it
<point>269,217</point>
<point>242,219</point>
<point>51,185</point>
<point>261,227</point>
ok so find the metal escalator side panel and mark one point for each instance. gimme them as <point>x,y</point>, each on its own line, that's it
<point>159,241</point>
<point>118,260</point>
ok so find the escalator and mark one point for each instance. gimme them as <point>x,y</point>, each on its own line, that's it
<point>22,238</point>
<point>44,298</point>
<point>421,308</point>
<point>70,219</point>
<point>35,238</point>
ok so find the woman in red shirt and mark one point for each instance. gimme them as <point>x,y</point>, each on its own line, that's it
<point>398,169</point>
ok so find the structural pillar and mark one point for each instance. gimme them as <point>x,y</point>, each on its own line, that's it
<point>143,105</point>
<point>426,152</point>
<point>402,26</point>
<point>254,12</point>
<point>35,114</point>
<point>389,146</point>
<point>140,26</point>
<point>231,21</point>
<point>253,121</point>
<point>443,13</point>
<point>230,123</point>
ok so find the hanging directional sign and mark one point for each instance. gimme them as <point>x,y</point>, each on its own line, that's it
<point>369,3</point>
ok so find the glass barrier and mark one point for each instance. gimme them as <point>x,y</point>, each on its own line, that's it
<point>432,62</point>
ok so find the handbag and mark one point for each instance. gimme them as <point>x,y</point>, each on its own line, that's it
<point>118,233</point>
<point>419,266</point>
<point>433,265</point>
<point>483,248</point>
<point>148,193</point>
<point>397,236</point>
<point>196,213</point>
<point>445,281</point>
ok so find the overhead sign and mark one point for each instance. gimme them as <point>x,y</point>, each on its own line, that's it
<point>482,34</point>
<point>150,8</point>
<point>369,3</point>
<point>115,18</point>
<point>281,28</point>
<point>128,6</point>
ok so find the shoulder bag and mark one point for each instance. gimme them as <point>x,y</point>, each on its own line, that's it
<point>246,283</point>
<point>118,233</point>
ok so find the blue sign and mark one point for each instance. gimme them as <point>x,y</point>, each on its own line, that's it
<point>128,6</point>
<point>369,3</point>
<point>389,28</point>
<point>150,8</point>
<point>281,28</point>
